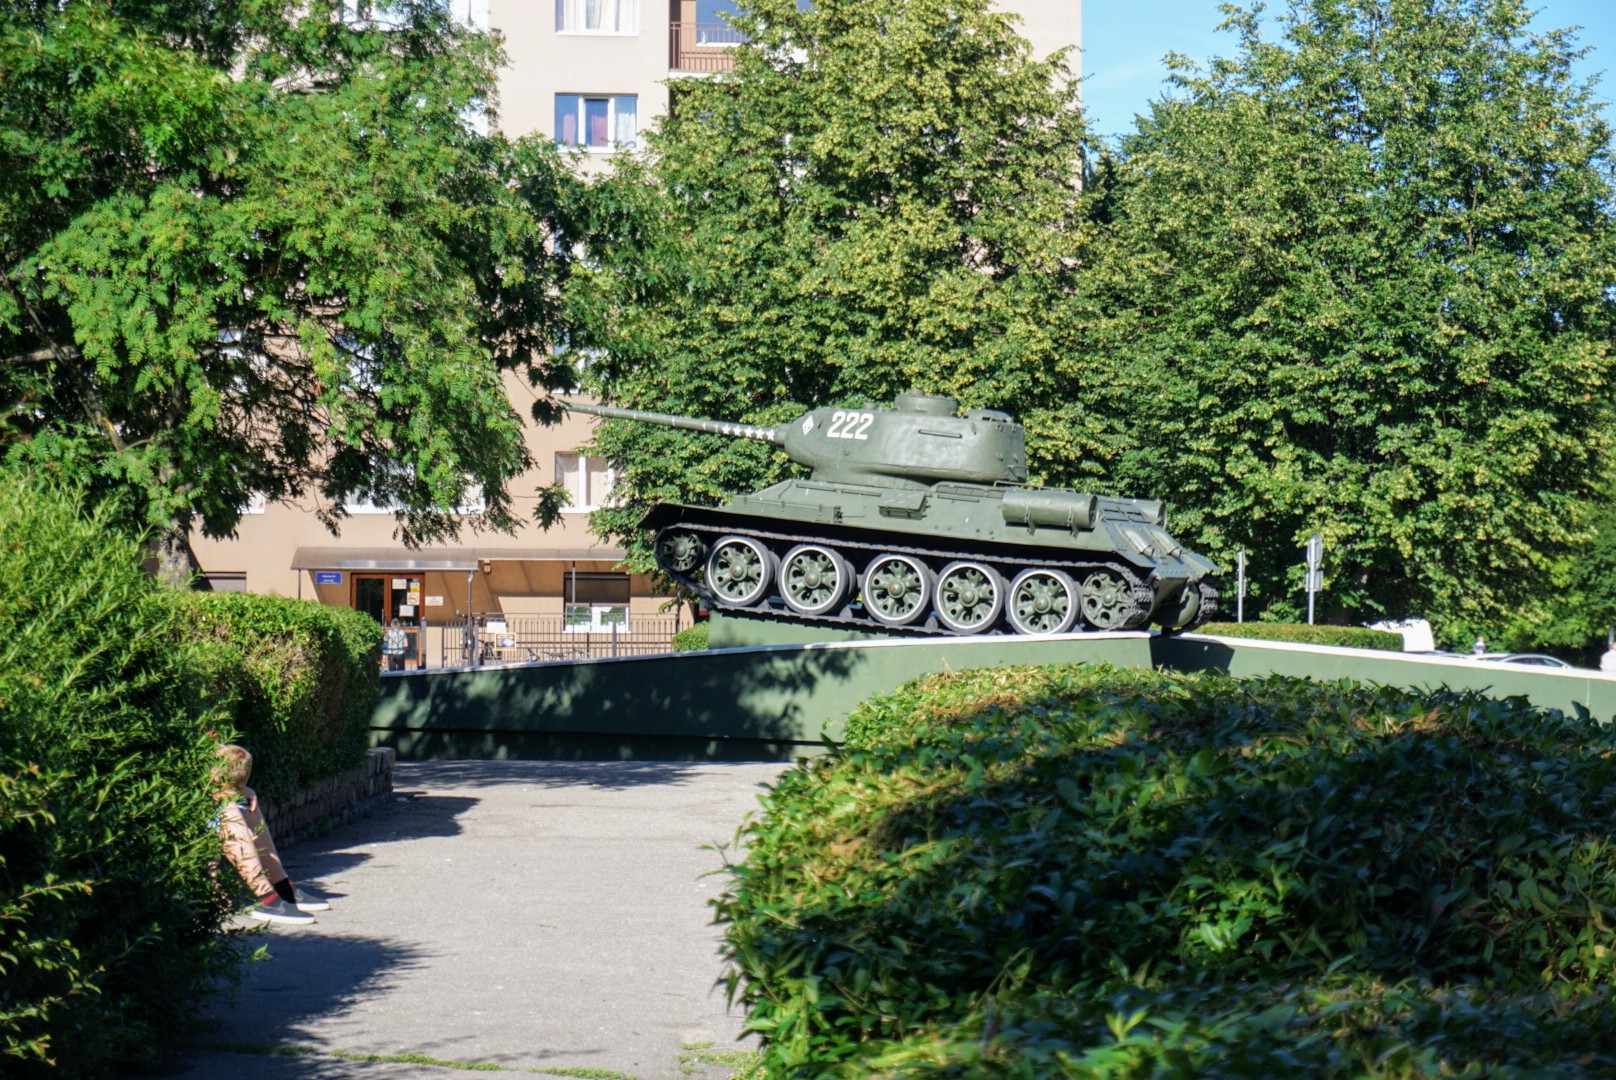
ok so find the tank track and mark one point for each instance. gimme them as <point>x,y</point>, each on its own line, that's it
<point>1142,595</point>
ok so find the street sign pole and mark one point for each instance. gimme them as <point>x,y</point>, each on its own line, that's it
<point>1240,587</point>
<point>1315,576</point>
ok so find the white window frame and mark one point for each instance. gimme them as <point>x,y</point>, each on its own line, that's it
<point>623,17</point>
<point>590,500</point>
<point>602,617</point>
<point>614,114</point>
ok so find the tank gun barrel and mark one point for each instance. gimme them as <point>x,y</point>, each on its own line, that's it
<point>690,423</point>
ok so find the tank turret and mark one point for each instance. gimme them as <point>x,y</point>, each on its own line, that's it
<point>918,442</point>
<point>916,517</point>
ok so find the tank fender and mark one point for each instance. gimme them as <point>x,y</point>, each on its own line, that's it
<point>1071,510</point>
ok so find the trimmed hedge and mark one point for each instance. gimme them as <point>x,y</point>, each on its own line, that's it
<point>108,918</point>
<point>1078,871</point>
<point>298,679</point>
<point>691,638</point>
<point>1349,637</point>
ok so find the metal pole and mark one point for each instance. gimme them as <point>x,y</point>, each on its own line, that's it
<point>1240,588</point>
<point>1315,575</point>
<point>469,640</point>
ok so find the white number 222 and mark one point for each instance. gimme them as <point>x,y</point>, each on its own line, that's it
<point>850,425</point>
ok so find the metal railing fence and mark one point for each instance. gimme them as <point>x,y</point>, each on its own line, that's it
<point>492,638</point>
<point>702,47</point>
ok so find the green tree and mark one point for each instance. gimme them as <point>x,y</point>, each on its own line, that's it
<point>261,246</point>
<point>881,195</point>
<point>1576,609</point>
<point>1356,282</point>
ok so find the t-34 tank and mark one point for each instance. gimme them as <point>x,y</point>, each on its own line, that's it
<point>917,517</point>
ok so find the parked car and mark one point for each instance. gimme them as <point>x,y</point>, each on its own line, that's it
<point>1526,658</point>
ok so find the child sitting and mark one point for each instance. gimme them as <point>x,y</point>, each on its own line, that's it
<point>251,850</point>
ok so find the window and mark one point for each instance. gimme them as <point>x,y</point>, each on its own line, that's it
<point>584,587</point>
<point>599,122</point>
<point>596,618</point>
<point>588,480</point>
<point>375,14</point>
<point>595,602</point>
<point>597,16</point>
<point>227,580</point>
<point>356,503</point>
<point>473,13</point>
<point>577,359</point>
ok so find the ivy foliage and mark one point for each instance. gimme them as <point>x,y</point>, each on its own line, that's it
<point>109,919</point>
<point>1082,871</point>
<point>878,197</point>
<point>1356,280</point>
<point>266,248</point>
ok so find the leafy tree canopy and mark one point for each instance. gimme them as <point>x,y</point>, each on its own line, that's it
<point>1357,281</point>
<point>261,246</point>
<point>881,195</point>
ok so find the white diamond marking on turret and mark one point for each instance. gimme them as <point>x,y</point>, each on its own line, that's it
<point>808,423</point>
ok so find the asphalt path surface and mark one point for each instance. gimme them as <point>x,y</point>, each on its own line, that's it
<point>534,916</point>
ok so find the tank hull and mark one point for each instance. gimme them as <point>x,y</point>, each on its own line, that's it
<point>946,559</point>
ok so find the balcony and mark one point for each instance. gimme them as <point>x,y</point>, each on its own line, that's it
<point>702,48</point>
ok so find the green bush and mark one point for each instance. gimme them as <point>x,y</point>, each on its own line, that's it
<point>1084,871</point>
<point>108,917</point>
<point>1350,637</point>
<point>691,638</point>
<point>297,677</point>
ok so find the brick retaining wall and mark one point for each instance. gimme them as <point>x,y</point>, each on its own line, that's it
<point>334,801</point>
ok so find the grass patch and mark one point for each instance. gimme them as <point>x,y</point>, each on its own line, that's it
<point>695,1057</point>
<point>292,1050</point>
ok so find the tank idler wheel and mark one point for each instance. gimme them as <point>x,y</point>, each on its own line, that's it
<point>1043,602</point>
<point>679,550</point>
<point>970,597</point>
<point>897,589</point>
<point>740,571</point>
<point>814,580</point>
<point>1107,600</point>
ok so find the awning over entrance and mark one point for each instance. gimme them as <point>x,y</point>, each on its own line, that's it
<point>395,558</point>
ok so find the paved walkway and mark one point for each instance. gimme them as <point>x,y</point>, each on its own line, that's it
<point>535,916</point>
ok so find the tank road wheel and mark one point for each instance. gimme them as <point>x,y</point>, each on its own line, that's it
<point>814,580</point>
<point>1107,600</point>
<point>969,597</point>
<point>897,589</point>
<point>1043,602</point>
<point>1185,612</point>
<point>740,571</point>
<point>679,550</point>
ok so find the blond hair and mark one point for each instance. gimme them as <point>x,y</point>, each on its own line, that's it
<point>237,765</point>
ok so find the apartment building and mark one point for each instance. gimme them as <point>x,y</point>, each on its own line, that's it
<point>592,74</point>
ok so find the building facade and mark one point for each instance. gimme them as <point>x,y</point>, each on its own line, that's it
<point>592,74</point>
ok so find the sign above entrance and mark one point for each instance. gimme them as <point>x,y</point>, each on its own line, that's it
<point>328,577</point>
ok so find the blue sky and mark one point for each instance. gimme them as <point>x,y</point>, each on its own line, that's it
<point>1124,42</point>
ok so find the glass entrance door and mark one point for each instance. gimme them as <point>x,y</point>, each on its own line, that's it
<point>385,597</point>
<point>370,596</point>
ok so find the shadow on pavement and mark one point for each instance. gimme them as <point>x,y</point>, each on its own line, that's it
<point>413,778</point>
<point>309,976</point>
